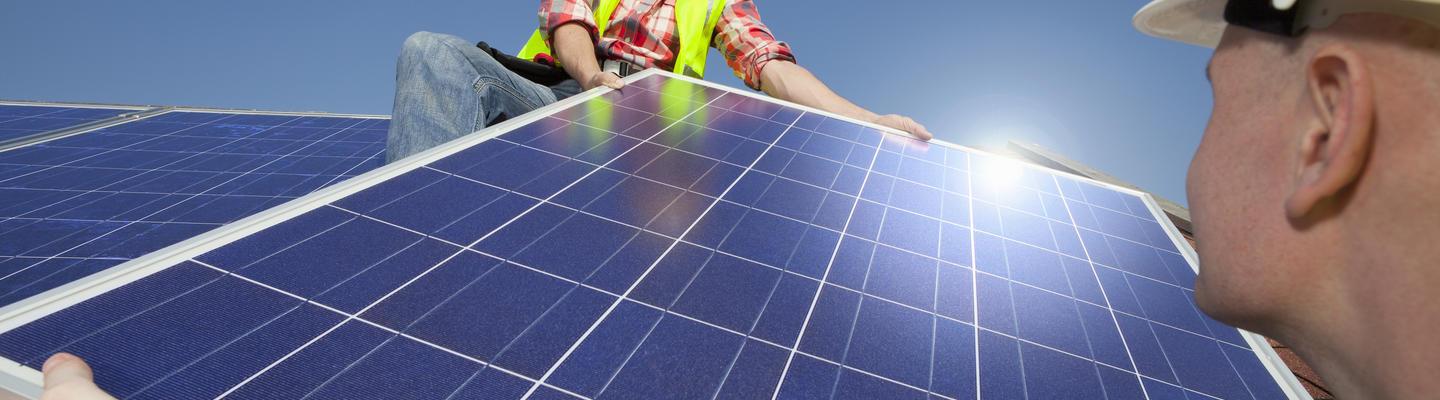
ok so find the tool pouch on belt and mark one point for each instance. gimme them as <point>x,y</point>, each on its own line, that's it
<point>544,74</point>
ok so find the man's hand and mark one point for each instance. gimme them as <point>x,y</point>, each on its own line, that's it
<point>68,377</point>
<point>576,51</point>
<point>602,78</point>
<point>905,124</point>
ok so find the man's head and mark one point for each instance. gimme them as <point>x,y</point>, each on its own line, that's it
<point>1315,187</point>
<point>1315,144</point>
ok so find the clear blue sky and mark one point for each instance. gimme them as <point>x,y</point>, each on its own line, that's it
<point>1070,75</point>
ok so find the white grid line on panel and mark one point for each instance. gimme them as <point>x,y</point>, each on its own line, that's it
<point>1113,319</point>
<point>642,276</point>
<point>824,278</point>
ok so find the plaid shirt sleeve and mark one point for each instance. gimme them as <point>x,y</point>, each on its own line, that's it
<point>554,13</point>
<point>747,43</point>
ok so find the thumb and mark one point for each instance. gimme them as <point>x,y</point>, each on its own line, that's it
<point>67,375</point>
<point>913,128</point>
<point>66,369</point>
<point>614,82</point>
<point>920,132</point>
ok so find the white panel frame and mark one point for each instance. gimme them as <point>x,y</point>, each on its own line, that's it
<point>263,112</point>
<point>73,105</point>
<point>27,382</point>
<point>141,113</point>
<point>133,113</point>
<point>178,108</point>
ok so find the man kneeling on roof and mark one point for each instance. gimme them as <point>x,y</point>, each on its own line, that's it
<point>447,88</point>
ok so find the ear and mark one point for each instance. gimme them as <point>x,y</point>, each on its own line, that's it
<point>1333,150</point>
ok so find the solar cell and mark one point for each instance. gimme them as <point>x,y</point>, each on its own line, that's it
<point>673,239</point>
<point>22,120</point>
<point>79,204</point>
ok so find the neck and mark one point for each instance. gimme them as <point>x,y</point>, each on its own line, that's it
<point>1377,338</point>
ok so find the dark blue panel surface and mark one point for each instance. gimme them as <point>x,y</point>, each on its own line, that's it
<point>545,340</point>
<point>577,247</point>
<point>221,370</point>
<point>492,383</point>
<point>729,292</point>
<point>809,378</point>
<point>400,369</point>
<point>679,357</point>
<point>187,328</point>
<point>489,313</point>
<point>1054,375</point>
<point>667,240</point>
<point>315,364</point>
<point>888,340</point>
<point>590,367</point>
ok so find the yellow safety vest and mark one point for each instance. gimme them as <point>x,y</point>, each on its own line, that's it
<point>695,22</point>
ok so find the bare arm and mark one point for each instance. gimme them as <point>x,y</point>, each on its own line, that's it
<point>791,82</point>
<point>576,51</point>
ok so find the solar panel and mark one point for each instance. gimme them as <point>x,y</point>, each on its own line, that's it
<point>22,120</point>
<point>84,203</point>
<point>673,239</point>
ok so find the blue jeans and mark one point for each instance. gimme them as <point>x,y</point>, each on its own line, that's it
<point>446,88</point>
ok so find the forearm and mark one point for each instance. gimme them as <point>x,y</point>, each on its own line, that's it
<point>575,50</point>
<point>787,81</point>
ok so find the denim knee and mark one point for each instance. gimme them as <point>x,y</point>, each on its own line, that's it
<point>429,47</point>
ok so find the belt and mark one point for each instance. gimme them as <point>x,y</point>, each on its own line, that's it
<point>620,68</point>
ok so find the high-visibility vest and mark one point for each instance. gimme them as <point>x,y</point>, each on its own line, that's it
<point>695,22</point>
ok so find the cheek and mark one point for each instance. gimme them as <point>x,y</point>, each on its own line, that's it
<point>1227,170</point>
<point>1216,208</point>
<point>1206,183</point>
<point>1227,186</point>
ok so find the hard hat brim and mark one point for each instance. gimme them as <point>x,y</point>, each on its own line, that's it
<point>1197,22</point>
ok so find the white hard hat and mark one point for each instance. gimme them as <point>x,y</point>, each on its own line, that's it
<point>1202,22</point>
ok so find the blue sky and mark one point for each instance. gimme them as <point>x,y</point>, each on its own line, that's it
<point>1069,75</point>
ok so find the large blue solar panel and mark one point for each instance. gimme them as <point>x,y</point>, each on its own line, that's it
<point>74,206</point>
<point>671,240</point>
<point>18,121</point>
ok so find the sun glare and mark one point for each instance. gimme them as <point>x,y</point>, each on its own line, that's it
<point>999,172</point>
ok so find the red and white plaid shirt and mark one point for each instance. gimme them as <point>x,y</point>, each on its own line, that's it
<point>642,32</point>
